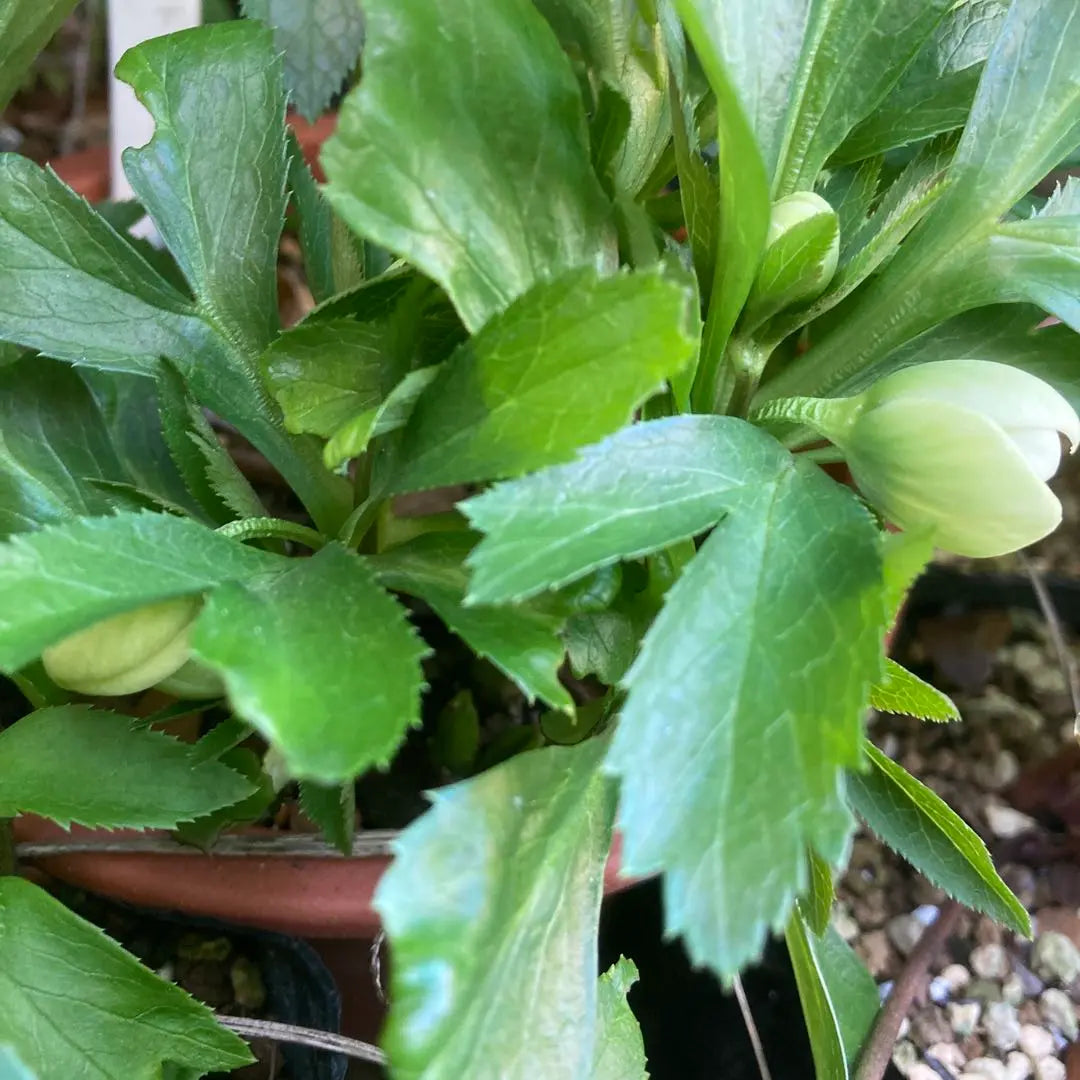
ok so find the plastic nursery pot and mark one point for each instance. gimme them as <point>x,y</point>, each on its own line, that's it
<point>87,172</point>
<point>304,895</point>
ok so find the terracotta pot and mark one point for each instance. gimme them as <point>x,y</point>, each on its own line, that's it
<point>302,895</point>
<point>87,172</point>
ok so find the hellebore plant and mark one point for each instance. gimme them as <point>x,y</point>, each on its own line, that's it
<point>599,272</point>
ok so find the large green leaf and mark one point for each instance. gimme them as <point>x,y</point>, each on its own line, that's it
<point>315,225</point>
<point>74,763</point>
<point>564,365</point>
<point>901,692</point>
<point>839,998</point>
<point>853,54</point>
<point>11,1066</point>
<point>469,210</point>
<point>25,29</point>
<point>65,577</point>
<point>503,876</point>
<point>918,825</point>
<point>620,1052</point>
<point>744,705</point>
<point>76,1006</point>
<point>1025,118</point>
<point>646,487</point>
<point>934,94</point>
<point>213,176</point>
<point>320,660</point>
<point>321,41</point>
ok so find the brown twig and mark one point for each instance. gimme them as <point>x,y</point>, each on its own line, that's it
<point>751,1029</point>
<point>879,1046</point>
<point>7,848</point>
<point>299,1036</point>
<point>1057,633</point>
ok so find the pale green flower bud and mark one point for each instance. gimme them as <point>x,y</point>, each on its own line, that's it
<point>962,446</point>
<point>802,249</point>
<point>125,653</point>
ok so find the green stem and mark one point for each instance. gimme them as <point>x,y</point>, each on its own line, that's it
<point>739,374</point>
<point>262,528</point>
<point>360,521</point>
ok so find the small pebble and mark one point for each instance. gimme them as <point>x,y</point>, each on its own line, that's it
<point>904,932</point>
<point>1035,1041</point>
<point>949,1054</point>
<point>1017,1066</point>
<point>877,953</point>
<point>963,1016</point>
<point>1033,985</point>
<point>1012,990</point>
<point>1021,880</point>
<point>990,961</point>
<point>1056,1008</point>
<point>939,990</point>
<point>926,914</point>
<point>983,990</point>
<point>1001,1025</point>
<point>1005,822</point>
<point>956,976</point>
<point>921,1071</point>
<point>1055,959</point>
<point>929,1026</point>
<point>845,925</point>
<point>985,1068</point>
<point>905,1054</point>
<point>1049,1068</point>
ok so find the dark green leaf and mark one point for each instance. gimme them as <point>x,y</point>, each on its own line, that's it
<point>65,577</point>
<point>245,763</point>
<point>223,475</point>
<point>564,365</point>
<point>817,906</point>
<point>75,1004</point>
<point>643,489</point>
<point>320,660</point>
<point>315,225</point>
<point>934,94</point>
<point>321,41</point>
<point>839,998</point>
<point>25,29</point>
<point>901,692</point>
<point>494,75</point>
<point>604,643</point>
<point>744,705</point>
<point>324,373</point>
<point>74,763</point>
<point>463,928</point>
<point>620,1052</point>
<point>333,808</point>
<point>918,825</point>
<point>213,176</point>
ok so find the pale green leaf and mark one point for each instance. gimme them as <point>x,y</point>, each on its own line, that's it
<point>564,365</point>
<point>75,1006</point>
<point>495,77</point>
<point>325,664</point>
<point>901,692</point>
<point>502,876</point>
<point>620,1052</point>
<point>934,94</point>
<point>744,705</point>
<point>839,998</point>
<point>817,906</point>
<point>75,763</point>
<point>213,176</point>
<point>644,488</point>
<point>905,556</point>
<point>63,578</point>
<point>918,825</point>
<point>321,41</point>
<point>333,808</point>
<point>25,29</point>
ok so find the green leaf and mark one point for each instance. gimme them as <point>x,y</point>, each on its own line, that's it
<point>213,176</point>
<point>839,998</point>
<point>333,808</point>
<point>206,829</point>
<point>853,54</point>
<point>744,705</point>
<point>901,692</point>
<point>905,556</point>
<point>918,825</point>
<point>319,660</point>
<point>223,475</point>
<point>567,363</point>
<point>315,225</point>
<point>391,414</point>
<point>324,373</point>
<point>620,1052</point>
<point>321,41</point>
<point>494,75</point>
<point>817,907</point>
<point>522,642</point>
<point>53,444</point>
<point>645,488</point>
<point>463,928</point>
<point>25,29</point>
<point>743,179</point>
<point>75,763</point>
<point>934,94</point>
<point>66,577</point>
<point>75,1004</point>
<point>11,1066</point>
<point>604,643</point>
